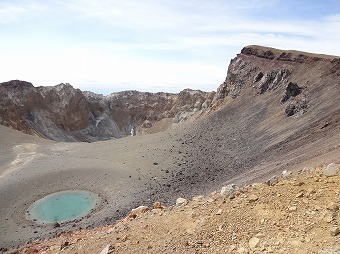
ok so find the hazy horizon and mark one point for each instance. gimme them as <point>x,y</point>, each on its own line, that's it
<point>111,45</point>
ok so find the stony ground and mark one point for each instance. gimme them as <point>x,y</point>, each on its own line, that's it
<point>296,214</point>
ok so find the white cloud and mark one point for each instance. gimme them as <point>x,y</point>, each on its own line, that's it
<point>152,44</point>
<point>11,12</point>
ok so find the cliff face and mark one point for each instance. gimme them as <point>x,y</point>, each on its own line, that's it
<point>275,110</point>
<point>261,70</point>
<point>63,113</point>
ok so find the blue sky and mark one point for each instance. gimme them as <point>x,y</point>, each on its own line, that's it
<point>152,45</point>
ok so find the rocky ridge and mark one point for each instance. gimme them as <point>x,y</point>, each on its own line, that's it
<point>63,113</point>
<point>297,213</point>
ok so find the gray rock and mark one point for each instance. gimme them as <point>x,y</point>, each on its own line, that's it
<point>296,107</point>
<point>228,190</point>
<point>272,181</point>
<point>286,174</point>
<point>307,169</point>
<point>331,170</point>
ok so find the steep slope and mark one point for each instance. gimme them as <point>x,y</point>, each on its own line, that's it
<point>276,109</point>
<point>63,113</point>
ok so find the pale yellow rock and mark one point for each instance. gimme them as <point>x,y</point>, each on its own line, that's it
<point>292,208</point>
<point>219,212</point>
<point>253,243</point>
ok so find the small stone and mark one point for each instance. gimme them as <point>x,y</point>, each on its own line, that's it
<point>317,208</point>
<point>226,191</point>
<point>298,183</point>
<point>334,231</point>
<point>331,170</point>
<point>118,246</point>
<point>242,250</point>
<point>292,208</point>
<point>286,174</point>
<point>64,245</point>
<point>333,207</point>
<point>219,212</point>
<point>214,193</point>
<point>299,195</point>
<point>106,249</point>
<point>272,181</point>
<point>56,225</point>
<point>232,247</point>
<point>270,249</point>
<point>158,205</point>
<point>181,201</point>
<point>210,200</point>
<point>198,198</point>
<point>253,243</point>
<point>328,217</point>
<point>295,243</point>
<point>136,212</point>
<point>281,240</point>
<point>307,169</point>
<point>253,198</point>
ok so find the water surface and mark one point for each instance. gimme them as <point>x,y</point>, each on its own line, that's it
<point>62,206</point>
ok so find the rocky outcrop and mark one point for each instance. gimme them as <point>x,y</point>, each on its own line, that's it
<point>64,113</point>
<point>261,70</point>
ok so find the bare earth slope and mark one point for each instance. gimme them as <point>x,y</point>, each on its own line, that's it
<point>276,110</point>
<point>297,215</point>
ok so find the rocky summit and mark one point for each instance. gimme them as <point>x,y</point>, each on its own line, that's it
<point>275,120</point>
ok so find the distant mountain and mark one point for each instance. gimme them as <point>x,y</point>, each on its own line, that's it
<point>63,113</point>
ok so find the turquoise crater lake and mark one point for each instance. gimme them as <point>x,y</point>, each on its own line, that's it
<point>63,206</point>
